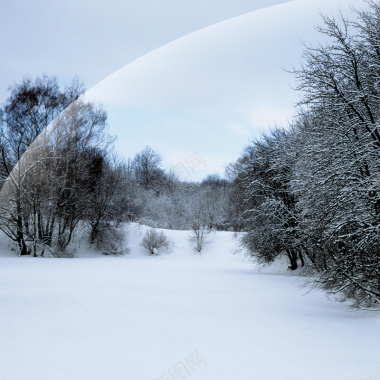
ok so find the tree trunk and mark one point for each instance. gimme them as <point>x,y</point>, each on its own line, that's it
<point>20,233</point>
<point>292,258</point>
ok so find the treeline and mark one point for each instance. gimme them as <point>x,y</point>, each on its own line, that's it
<point>58,173</point>
<point>311,191</point>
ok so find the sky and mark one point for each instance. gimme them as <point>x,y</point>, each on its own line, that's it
<point>195,80</point>
<point>94,38</point>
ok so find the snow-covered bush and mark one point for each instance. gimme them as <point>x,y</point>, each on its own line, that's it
<point>153,241</point>
<point>111,241</point>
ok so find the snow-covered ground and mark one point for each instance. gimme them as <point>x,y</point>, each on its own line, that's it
<point>214,316</point>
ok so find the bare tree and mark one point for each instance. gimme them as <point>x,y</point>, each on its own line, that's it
<point>271,217</point>
<point>107,208</point>
<point>200,221</point>
<point>29,109</point>
<point>44,196</point>
<point>154,240</point>
<point>147,168</point>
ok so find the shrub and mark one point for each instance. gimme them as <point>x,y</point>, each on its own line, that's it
<point>111,240</point>
<point>154,240</point>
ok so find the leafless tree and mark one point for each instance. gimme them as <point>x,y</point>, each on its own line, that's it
<point>147,168</point>
<point>47,133</point>
<point>154,240</point>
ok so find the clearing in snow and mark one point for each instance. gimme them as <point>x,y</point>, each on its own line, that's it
<point>208,316</point>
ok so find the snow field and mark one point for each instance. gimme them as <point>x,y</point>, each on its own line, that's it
<point>213,316</point>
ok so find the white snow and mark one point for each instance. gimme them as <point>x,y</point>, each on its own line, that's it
<point>208,316</point>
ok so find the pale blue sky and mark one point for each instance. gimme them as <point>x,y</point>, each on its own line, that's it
<point>94,38</point>
<point>214,79</point>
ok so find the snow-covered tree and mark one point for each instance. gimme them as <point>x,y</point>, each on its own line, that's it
<point>338,170</point>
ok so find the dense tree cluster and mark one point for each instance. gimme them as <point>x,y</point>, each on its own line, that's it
<point>57,173</point>
<point>55,168</point>
<point>312,191</point>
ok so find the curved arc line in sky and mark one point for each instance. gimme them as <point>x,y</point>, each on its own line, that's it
<point>166,44</point>
<point>33,146</point>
